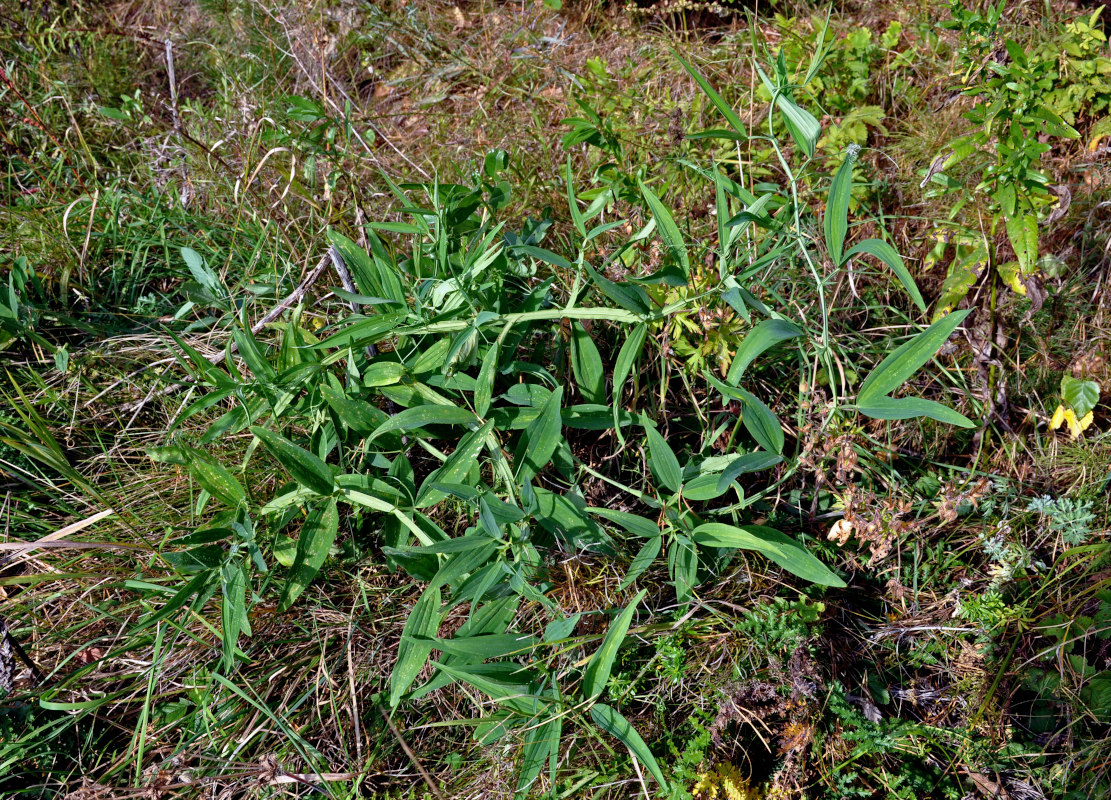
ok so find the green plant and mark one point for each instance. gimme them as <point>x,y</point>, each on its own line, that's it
<point>1024,98</point>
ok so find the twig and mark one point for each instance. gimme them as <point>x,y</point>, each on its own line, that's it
<point>412,756</point>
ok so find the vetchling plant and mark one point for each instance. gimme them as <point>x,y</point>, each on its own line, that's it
<point>456,392</point>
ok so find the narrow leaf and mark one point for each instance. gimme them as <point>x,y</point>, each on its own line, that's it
<point>836,219</point>
<point>662,460</point>
<point>890,256</point>
<point>669,231</point>
<point>313,544</point>
<point>907,359</point>
<point>759,340</point>
<point>308,470</point>
<point>586,363</point>
<point>617,726</point>
<point>597,672</point>
<point>776,546</point>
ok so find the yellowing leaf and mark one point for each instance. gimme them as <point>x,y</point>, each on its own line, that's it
<point>1058,418</point>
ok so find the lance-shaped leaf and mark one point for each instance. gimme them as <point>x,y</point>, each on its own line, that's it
<point>777,547</point>
<point>668,229</point>
<point>760,339</point>
<point>422,624</point>
<point>597,672</point>
<point>308,470</point>
<point>836,219</point>
<point>662,460</point>
<point>313,544</point>
<point>586,363</point>
<point>907,359</point>
<point>890,256</point>
<point>617,726</point>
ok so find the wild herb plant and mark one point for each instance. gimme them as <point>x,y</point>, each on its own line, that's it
<point>459,384</point>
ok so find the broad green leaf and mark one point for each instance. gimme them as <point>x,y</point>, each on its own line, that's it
<point>423,623</point>
<point>890,256</point>
<point>233,609</point>
<point>383,373</point>
<point>485,645</point>
<point>313,544</point>
<point>628,296</point>
<point>643,561</point>
<point>715,98</point>
<point>201,272</point>
<point>217,481</point>
<point>836,219</point>
<point>759,340</point>
<point>626,360</point>
<point>634,524</point>
<point>1080,396</point>
<point>911,408</point>
<point>540,439</point>
<point>662,460</point>
<point>776,546</point>
<point>373,276</point>
<point>363,332</point>
<point>1022,230</point>
<point>617,726</point>
<point>504,682</point>
<point>908,358</point>
<point>668,229</point>
<point>420,416</point>
<point>586,363</point>
<point>308,470</point>
<point>358,415</point>
<point>597,672</point>
<point>702,488</point>
<point>761,423</point>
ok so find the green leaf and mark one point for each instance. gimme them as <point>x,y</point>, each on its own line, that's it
<point>540,439</point>
<point>484,385</point>
<point>597,672</point>
<point>907,359</point>
<point>456,468</point>
<point>682,565</point>
<point>201,272</point>
<point>308,470</point>
<point>662,460</point>
<point>802,126</point>
<point>890,256</point>
<point>668,229</point>
<point>313,544</point>
<point>1022,230</point>
<point>836,219</point>
<point>715,98</point>
<point>586,363</point>
<point>484,646</point>
<point>911,408</point>
<point>643,561</point>
<point>217,481</point>
<point>1080,396</point>
<point>617,726</point>
<point>572,203</point>
<point>628,296</point>
<point>422,624</point>
<point>541,745</point>
<point>634,524</point>
<point>702,488</point>
<point>749,462</point>
<point>758,419</point>
<point>419,416</point>
<point>759,340</point>
<point>776,546</point>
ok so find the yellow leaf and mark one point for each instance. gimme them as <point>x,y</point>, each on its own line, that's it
<point>1073,423</point>
<point>1058,418</point>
